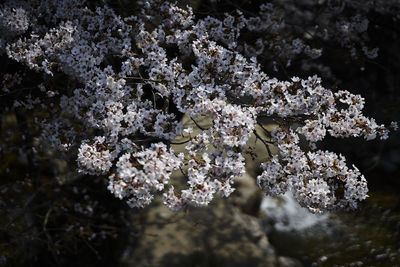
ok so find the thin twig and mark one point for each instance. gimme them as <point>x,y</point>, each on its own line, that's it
<point>184,174</point>
<point>179,143</point>
<point>17,91</point>
<point>91,248</point>
<point>48,236</point>
<point>264,142</point>
<point>265,130</point>
<point>143,79</point>
<point>198,125</point>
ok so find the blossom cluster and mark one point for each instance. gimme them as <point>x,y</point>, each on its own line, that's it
<point>139,174</point>
<point>133,78</point>
<point>317,179</point>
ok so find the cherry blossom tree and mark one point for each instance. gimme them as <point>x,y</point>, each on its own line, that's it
<point>131,79</point>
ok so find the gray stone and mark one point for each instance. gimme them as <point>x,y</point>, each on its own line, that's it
<point>216,235</point>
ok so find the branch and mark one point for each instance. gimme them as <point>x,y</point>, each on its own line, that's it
<point>264,142</point>
<point>265,130</point>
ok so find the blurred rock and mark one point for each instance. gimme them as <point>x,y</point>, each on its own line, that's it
<point>217,235</point>
<point>288,262</point>
<point>247,195</point>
